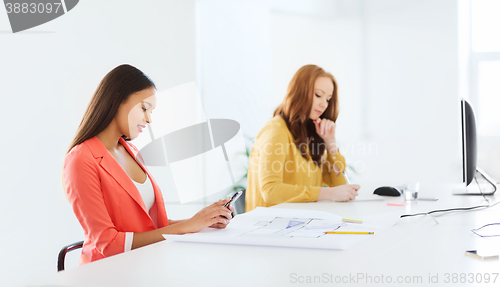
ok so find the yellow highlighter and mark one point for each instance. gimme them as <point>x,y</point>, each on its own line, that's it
<point>348,232</point>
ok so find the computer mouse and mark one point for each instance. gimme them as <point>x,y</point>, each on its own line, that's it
<point>388,191</point>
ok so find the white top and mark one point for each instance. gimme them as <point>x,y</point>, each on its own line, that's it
<point>147,192</point>
<point>148,196</point>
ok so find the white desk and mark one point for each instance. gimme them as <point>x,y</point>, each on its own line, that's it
<point>415,246</point>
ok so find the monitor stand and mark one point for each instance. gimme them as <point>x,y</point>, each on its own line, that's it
<point>473,188</point>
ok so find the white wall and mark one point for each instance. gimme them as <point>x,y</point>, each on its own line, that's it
<point>234,49</point>
<point>48,75</point>
<point>234,72</point>
<point>412,89</point>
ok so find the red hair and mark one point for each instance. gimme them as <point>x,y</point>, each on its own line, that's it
<point>296,109</point>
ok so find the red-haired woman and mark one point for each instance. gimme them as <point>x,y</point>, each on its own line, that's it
<point>296,152</point>
<point>113,195</point>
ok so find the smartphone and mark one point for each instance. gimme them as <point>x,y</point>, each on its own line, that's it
<point>234,198</point>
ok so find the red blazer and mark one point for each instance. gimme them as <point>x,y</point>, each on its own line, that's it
<point>105,200</point>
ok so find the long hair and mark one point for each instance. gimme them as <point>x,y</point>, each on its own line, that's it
<point>115,88</point>
<point>296,108</point>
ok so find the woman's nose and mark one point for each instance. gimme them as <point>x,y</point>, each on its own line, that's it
<point>149,120</point>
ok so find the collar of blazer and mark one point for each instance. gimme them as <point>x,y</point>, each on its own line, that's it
<point>116,171</point>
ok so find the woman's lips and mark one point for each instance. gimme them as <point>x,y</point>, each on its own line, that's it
<point>140,128</point>
<point>319,112</point>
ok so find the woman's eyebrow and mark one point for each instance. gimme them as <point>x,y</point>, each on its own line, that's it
<point>148,103</point>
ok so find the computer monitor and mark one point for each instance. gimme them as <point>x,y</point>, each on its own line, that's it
<point>469,143</point>
<point>469,153</point>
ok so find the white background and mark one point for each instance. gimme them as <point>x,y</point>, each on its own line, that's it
<point>396,62</point>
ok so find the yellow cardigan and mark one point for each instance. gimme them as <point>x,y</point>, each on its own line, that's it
<point>278,173</point>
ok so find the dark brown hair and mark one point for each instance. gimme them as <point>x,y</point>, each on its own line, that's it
<point>296,108</point>
<point>115,88</point>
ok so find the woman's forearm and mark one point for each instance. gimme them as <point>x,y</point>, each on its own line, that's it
<point>331,146</point>
<point>149,237</point>
<point>170,222</point>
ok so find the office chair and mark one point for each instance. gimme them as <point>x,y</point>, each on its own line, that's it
<point>64,250</point>
<point>239,205</point>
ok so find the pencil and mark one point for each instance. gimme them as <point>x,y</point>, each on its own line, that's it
<point>348,232</point>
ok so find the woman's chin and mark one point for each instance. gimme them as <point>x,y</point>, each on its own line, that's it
<point>133,136</point>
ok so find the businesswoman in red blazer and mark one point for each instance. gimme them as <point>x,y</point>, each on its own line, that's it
<point>114,197</point>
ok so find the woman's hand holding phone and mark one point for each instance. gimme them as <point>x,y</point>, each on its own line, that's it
<point>214,215</point>
<point>230,208</point>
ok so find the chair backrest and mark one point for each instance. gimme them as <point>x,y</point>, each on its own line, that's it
<point>64,250</point>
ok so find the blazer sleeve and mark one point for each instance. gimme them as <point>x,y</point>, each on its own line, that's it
<point>329,176</point>
<point>83,187</point>
<point>270,170</point>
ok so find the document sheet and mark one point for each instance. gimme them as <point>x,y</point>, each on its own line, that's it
<point>291,228</point>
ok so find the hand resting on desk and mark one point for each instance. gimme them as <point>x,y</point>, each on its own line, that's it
<point>344,192</point>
